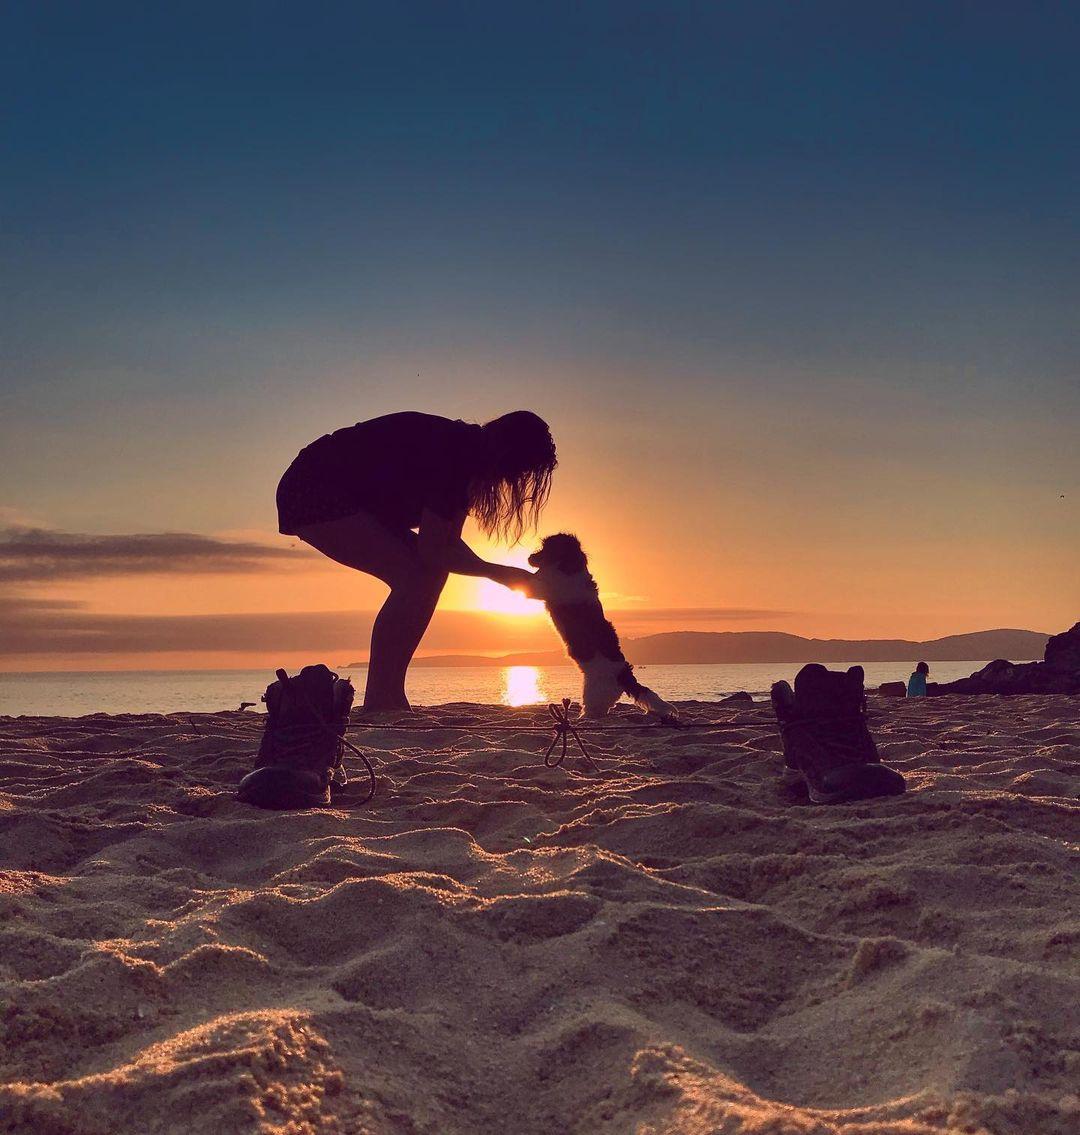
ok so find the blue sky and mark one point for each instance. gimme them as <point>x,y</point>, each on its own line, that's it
<point>777,248</point>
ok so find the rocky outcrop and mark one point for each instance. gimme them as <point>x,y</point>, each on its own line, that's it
<point>892,690</point>
<point>1063,651</point>
<point>1058,673</point>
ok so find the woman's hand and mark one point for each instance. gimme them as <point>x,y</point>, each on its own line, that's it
<point>518,579</point>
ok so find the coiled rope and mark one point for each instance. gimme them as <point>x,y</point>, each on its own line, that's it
<point>564,729</point>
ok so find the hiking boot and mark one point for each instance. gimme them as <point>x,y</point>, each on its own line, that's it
<point>827,744</point>
<point>792,781</point>
<point>301,745</point>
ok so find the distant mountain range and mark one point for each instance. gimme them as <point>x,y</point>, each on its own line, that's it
<point>775,646</point>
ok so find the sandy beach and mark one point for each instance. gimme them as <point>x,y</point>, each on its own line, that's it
<point>493,946</point>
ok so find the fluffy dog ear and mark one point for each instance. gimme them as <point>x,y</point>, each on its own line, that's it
<point>563,552</point>
<point>545,553</point>
<point>572,558</point>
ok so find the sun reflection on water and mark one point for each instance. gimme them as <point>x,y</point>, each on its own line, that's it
<point>522,686</point>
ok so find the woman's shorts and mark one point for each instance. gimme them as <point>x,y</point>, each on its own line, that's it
<point>304,497</point>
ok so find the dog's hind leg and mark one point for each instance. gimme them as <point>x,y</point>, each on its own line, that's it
<point>647,700</point>
<point>652,702</point>
<point>600,693</point>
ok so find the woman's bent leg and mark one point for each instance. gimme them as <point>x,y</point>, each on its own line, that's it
<point>398,629</point>
<point>363,543</point>
<point>366,544</point>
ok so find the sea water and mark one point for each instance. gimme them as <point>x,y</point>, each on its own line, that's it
<point>73,694</point>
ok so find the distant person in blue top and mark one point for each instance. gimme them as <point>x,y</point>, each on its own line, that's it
<point>916,684</point>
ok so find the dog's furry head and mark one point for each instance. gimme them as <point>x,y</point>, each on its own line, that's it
<point>563,552</point>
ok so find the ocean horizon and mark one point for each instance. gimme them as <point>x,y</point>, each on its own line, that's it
<point>75,693</point>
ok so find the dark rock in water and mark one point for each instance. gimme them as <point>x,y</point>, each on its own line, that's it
<point>742,697</point>
<point>892,690</point>
<point>1063,651</point>
<point>1058,673</point>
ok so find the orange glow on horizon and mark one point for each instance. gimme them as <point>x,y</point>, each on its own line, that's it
<point>499,600</point>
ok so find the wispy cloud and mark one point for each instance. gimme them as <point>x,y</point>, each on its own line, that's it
<point>34,557</point>
<point>38,555</point>
<point>27,606</point>
<point>33,627</point>
<point>36,626</point>
<point>13,517</point>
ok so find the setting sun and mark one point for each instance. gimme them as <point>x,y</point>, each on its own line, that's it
<point>522,686</point>
<point>502,601</point>
<point>498,600</point>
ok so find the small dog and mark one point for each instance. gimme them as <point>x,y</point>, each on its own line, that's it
<point>562,581</point>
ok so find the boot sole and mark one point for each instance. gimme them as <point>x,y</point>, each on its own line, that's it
<point>281,788</point>
<point>791,777</point>
<point>863,782</point>
<point>874,780</point>
<point>794,784</point>
<point>817,796</point>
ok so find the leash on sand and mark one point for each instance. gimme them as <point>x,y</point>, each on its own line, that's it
<point>564,730</point>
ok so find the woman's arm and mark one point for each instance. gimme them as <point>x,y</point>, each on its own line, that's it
<point>441,546</point>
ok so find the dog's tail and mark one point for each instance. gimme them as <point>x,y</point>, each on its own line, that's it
<point>647,700</point>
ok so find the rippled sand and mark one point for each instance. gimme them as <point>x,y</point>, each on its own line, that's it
<point>492,946</point>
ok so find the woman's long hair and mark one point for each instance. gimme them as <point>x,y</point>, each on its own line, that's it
<point>507,497</point>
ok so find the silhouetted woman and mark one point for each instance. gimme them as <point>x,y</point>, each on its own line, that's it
<point>358,493</point>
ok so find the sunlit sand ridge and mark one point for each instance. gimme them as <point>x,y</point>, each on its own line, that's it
<point>496,946</point>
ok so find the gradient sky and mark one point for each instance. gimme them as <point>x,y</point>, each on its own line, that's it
<point>796,286</point>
